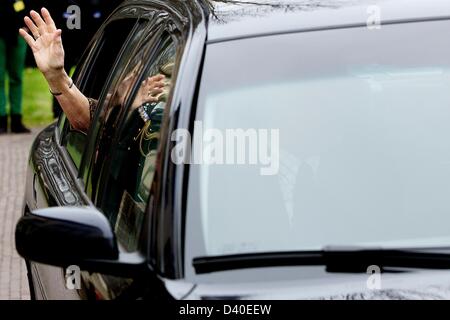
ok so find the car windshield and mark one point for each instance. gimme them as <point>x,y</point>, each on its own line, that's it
<point>363,149</point>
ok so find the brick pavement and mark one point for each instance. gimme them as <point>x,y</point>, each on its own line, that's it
<point>14,151</point>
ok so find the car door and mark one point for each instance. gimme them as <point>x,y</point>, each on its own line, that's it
<point>122,161</point>
<point>93,74</point>
<point>112,70</point>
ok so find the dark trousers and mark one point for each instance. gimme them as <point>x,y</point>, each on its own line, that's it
<point>12,62</point>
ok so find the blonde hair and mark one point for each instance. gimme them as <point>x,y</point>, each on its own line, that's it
<point>145,134</point>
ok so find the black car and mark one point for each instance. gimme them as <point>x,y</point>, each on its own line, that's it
<point>353,203</point>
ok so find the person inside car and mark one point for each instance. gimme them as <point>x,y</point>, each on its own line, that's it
<point>45,42</point>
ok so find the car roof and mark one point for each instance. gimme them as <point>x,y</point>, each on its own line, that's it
<point>232,19</point>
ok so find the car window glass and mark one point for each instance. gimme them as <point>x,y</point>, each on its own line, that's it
<point>112,106</point>
<point>345,138</point>
<point>93,76</point>
<point>133,158</point>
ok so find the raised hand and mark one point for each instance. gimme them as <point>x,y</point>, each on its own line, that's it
<point>45,42</point>
<point>149,91</point>
<point>152,87</point>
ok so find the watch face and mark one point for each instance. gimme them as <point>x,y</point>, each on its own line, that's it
<point>143,113</point>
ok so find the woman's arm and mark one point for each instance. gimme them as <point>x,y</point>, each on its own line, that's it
<point>45,41</point>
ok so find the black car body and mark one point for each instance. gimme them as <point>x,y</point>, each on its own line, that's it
<point>151,254</point>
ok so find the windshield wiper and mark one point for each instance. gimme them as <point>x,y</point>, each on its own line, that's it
<point>335,259</point>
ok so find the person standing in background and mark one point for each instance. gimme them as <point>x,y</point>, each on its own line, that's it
<point>12,60</point>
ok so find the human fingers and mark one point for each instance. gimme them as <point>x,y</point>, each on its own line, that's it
<point>27,37</point>
<point>158,77</point>
<point>32,27</point>
<point>48,20</point>
<point>57,36</point>
<point>155,91</point>
<point>40,23</point>
<point>158,84</point>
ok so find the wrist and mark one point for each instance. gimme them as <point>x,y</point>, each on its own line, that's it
<point>58,81</point>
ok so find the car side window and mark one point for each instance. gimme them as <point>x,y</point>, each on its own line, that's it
<point>111,107</point>
<point>127,185</point>
<point>92,75</point>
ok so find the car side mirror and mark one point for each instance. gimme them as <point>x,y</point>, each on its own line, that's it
<point>82,236</point>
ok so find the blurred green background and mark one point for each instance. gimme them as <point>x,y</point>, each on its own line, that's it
<point>37,100</point>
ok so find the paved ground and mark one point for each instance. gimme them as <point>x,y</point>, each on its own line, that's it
<point>13,159</point>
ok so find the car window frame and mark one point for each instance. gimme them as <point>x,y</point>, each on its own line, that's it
<point>87,160</point>
<point>81,76</point>
<point>164,35</point>
<point>162,29</point>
